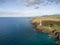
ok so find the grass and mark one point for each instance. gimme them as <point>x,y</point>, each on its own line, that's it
<point>48,23</point>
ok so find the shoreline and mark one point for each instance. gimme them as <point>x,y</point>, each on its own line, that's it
<point>51,30</point>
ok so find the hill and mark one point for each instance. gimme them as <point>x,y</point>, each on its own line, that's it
<point>48,24</point>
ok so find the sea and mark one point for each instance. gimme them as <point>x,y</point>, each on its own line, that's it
<point>20,31</point>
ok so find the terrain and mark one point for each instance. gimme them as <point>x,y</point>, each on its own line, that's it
<point>48,24</point>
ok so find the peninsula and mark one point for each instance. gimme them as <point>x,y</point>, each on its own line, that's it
<point>48,24</point>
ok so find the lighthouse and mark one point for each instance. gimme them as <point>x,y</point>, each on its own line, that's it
<point>40,22</point>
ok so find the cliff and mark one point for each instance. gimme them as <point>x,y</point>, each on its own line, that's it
<point>48,24</point>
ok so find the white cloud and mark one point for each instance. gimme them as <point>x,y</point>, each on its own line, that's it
<point>34,2</point>
<point>29,11</point>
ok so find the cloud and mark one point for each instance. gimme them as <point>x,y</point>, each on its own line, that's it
<point>9,13</point>
<point>38,2</point>
<point>33,2</point>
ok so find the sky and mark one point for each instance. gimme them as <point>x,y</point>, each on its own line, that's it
<point>28,8</point>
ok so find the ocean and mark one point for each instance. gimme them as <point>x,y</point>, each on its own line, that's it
<point>19,31</point>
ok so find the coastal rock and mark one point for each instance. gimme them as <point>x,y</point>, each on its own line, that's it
<point>48,25</point>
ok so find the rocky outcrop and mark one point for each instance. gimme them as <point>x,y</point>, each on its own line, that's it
<point>51,33</point>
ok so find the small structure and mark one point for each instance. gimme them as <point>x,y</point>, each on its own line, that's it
<point>40,22</point>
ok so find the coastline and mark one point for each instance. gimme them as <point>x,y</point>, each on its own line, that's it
<point>49,28</point>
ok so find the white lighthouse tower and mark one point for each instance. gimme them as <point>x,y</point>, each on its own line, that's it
<point>40,22</point>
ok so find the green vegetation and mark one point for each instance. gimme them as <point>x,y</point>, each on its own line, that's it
<point>49,23</point>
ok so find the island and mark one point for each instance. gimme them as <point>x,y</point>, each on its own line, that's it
<point>49,25</point>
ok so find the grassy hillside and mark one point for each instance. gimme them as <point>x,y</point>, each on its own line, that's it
<point>49,23</point>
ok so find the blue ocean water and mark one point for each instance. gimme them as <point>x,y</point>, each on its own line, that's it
<point>19,31</point>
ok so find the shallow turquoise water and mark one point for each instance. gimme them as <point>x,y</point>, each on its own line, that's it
<point>19,31</point>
